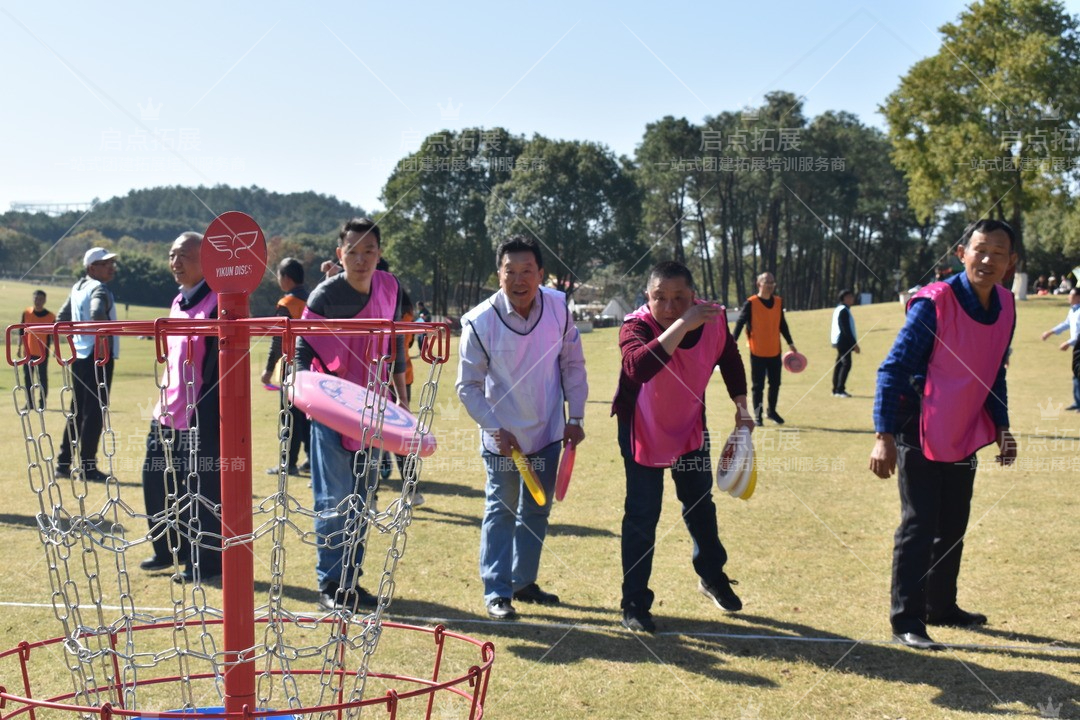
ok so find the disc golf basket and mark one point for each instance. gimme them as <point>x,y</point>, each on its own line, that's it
<point>237,660</point>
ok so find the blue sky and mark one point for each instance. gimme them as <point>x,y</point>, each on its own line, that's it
<point>101,98</point>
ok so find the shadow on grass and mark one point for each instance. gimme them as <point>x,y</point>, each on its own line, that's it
<point>841,431</point>
<point>426,513</point>
<point>563,645</point>
<point>444,488</point>
<point>12,519</point>
<point>963,685</point>
<point>579,531</point>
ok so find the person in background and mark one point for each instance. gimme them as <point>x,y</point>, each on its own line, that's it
<point>1072,324</point>
<point>290,277</point>
<point>90,300</point>
<point>36,345</point>
<point>764,320</point>
<point>845,341</point>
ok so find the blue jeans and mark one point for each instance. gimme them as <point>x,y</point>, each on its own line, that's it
<point>339,505</point>
<point>1076,392</point>
<point>512,533</point>
<point>693,478</point>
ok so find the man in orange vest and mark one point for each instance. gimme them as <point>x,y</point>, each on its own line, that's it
<point>290,277</point>
<point>36,344</point>
<point>763,316</point>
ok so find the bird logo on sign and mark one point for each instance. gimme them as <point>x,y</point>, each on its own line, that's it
<point>233,243</point>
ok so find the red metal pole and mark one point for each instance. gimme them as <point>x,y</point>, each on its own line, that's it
<point>237,563</point>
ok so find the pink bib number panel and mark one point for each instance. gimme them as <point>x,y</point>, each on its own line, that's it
<point>343,406</point>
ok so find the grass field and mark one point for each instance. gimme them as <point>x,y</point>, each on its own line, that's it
<point>811,551</point>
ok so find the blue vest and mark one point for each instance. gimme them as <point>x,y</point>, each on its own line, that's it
<point>80,312</point>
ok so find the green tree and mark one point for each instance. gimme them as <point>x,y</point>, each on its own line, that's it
<point>435,223</point>
<point>990,121</point>
<point>579,200</point>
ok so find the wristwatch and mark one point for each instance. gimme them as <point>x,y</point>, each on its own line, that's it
<point>580,422</point>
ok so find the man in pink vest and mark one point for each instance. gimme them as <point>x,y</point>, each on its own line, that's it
<point>341,474</point>
<point>193,434</point>
<point>670,347</point>
<point>941,396</point>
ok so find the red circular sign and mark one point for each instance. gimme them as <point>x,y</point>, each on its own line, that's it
<point>233,253</point>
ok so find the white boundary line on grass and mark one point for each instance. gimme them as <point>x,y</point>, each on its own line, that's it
<point>606,628</point>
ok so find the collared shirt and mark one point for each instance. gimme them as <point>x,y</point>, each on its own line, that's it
<point>473,366</point>
<point>1070,323</point>
<point>903,374</point>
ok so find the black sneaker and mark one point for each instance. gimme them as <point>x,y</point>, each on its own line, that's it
<point>304,467</point>
<point>721,593</point>
<point>293,470</point>
<point>329,597</point>
<point>775,417</point>
<point>155,563</point>
<point>758,419</point>
<point>332,598</point>
<point>638,619</point>
<point>532,593</point>
<point>958,618</point>
<point>501,609</point>
<point>95,475</point>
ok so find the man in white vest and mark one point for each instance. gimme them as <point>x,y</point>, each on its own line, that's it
<point>521,366</point>
<point>90,299</point>
<point>843,338</point>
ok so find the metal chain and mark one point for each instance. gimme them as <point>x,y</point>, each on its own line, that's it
<point>274,635</point>
<point>73,534</point>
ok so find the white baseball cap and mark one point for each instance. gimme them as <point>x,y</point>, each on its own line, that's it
<point>96,254</point>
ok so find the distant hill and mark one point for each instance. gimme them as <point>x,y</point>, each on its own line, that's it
<point>160,214</point>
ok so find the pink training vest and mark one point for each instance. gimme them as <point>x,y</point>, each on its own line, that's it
<point>181,350</point>
<point>963,366</point>
<point>354,357</point>
<point>668,416</point>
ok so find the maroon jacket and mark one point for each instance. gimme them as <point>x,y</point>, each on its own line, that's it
<point>643,357</point>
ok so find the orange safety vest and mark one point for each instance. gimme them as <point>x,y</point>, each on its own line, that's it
<point>293,304</point>
<point>36,341</point>
<point>763,334</point>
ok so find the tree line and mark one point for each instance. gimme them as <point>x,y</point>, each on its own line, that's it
<point>989,126</point>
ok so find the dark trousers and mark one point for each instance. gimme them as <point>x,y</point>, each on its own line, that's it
<point>759,368</point>
<point>86,406</point>
<point>935,502</point>
<point>841,369</point>
<point>43,378</point>
<point>692,474</point>
<point>301,435</point>
<point>178,509</point>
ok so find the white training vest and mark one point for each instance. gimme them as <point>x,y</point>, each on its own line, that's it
<point>523,383</point>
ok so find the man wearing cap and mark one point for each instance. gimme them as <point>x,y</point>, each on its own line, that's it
<point>90,300</point>
<point>763,317</point>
